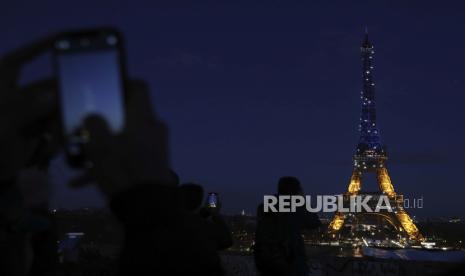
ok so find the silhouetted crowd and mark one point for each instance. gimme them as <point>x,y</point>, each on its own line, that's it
<point>168,230</point>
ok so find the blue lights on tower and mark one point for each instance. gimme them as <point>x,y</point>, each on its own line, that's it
<point>370,152</point>
<point>369,132</point>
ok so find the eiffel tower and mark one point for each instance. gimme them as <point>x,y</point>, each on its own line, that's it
<point>370,157</point>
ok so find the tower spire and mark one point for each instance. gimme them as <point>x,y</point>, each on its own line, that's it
<point>369,143</point>
<point>366,42</point>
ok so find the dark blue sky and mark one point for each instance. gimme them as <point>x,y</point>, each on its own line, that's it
<point>255,91</point>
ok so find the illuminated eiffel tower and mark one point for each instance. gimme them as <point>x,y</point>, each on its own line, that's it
<point>370,157</point>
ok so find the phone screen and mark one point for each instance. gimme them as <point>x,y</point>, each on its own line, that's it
<point>90,83</point>
<point>212,200</point>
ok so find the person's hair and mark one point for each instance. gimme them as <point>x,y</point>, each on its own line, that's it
<point>289,185</point>
<point>191,195</point>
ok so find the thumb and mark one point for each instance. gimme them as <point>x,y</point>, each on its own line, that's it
<point>99,138</point>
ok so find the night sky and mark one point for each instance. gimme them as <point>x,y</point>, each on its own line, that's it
<point>252,92</point>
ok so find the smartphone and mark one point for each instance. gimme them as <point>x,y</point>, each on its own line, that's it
<point>91,72</point>
<point>212,200</point>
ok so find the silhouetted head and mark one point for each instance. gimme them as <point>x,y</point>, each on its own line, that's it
<point>289,185</point>
<point>191,196</point>
<point>173,178</point>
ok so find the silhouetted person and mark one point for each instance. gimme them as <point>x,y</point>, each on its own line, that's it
<point>279,247</point>
<point>173,178</point>
<point>191,197</point>
<point>210,218</point>
<point>29,123</point>
<point>131,169</point>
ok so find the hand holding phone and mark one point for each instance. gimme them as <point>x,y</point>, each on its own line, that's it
<point>212,200</point>
<point>27,116</point>
<point>92,79</point>
<point>108,121</point>
<point>137,156</point>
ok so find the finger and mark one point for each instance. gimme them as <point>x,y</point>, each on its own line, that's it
<point>138,85</point>
<point>40,88</point>
<point>10,64</point>
<point>26,53</point>
<point>96,149</point>
<point>39,98</point>
<point>34,107</point>
<point>139,104</point>
<point>98,128</point>
<point>100,138</point>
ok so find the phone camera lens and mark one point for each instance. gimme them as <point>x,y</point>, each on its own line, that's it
<point>112,40</point>
<point>63,44</point>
